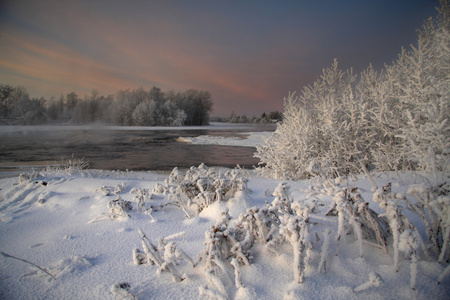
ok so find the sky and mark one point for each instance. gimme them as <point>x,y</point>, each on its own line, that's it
<point>248,54</point>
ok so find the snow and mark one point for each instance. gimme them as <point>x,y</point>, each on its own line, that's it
<point>249,139</point>
<point>52,221</point>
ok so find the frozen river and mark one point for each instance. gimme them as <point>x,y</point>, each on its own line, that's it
<point>132,148</point>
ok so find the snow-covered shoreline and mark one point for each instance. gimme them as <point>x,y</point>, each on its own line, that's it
<point>56,221</point>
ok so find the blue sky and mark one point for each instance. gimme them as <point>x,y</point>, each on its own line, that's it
<point>248,54</point>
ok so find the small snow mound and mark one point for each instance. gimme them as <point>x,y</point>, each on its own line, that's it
<point>213,211</point>
<point>246,293</point>
<point>74,265</point>
<point>239,204</point>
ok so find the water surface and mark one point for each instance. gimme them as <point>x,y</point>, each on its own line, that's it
<point>122,148</point>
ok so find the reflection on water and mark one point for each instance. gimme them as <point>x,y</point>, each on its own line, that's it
<point>111,149</point>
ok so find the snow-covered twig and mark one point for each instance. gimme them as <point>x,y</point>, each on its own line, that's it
<point>444,274</point>
<point>211,294</point>
<point>354,221</point>
<point>237,273</point>
<point>28,262</point>
<point>375,280</point>
<point>215,281</point>
<point>325,248</point>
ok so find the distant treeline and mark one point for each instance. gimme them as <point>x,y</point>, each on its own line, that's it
<point>272,117</point>
<point>137,107</point>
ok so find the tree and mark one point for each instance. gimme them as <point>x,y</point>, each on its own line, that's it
<point>145,114</point>
<point>326,125</point>
<point>24,110</point>
<point>128,107</point>
<point>34,112</point>
<point>424,93</point>
<point>275,115</point>
<point>234,118</point>
<point>196,104</point>
<point>287,152</point>
<point>71,101</point>
<point>155,94</point>
<point>5,98</point>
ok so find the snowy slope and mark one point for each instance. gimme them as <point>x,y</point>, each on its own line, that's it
<point>58,221</point>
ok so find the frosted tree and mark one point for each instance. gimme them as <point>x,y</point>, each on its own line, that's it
<point>425,92</point>
<point>384,113</point>
<point>143,114</point>
<point>292,145</point>
<point>410,102</point>
<point>327,123</point>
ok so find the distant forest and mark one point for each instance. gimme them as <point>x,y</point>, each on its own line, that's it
<point>130,107</point>
<point>272,117</point>
<point>137,107</point>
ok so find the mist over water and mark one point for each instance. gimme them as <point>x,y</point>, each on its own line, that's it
<point>112,148</point>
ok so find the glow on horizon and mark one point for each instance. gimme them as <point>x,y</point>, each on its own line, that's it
<point>249,55</point>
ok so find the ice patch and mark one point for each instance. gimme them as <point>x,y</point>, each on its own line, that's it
<point>250,139</point>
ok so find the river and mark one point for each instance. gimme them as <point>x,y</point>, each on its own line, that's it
<point>122,148</point>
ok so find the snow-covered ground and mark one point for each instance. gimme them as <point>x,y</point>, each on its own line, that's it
<point>59,220</point>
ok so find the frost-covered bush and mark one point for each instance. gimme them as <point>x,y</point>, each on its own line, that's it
<point>405,236</point>
<point>201,186</point>
<point>354,215</point>
<point>140,196</point>
<point>223,242</point>
<point>304,230</point>
<point>112,190</point>
<point>75,165</point>
<point>287,222</point>
<point>166,256</point>
<point>326,123</point>
<point>393,120</point>
<point>432,204</point>
<point>230,242</point>
<point>422,90</point>
<point>118,207</point>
